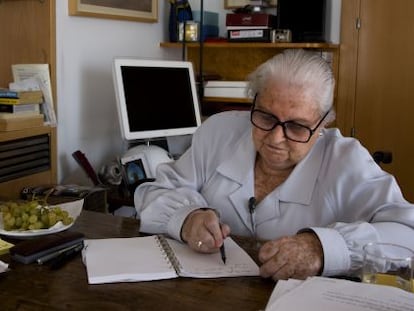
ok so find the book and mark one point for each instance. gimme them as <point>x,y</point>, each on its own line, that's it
<point>23,108</point>
<point>246,27</point>
<point>253,19</point>
<point>18,101</point>
<point>8,115</point>
<point>9,101</point>
<point>21,97</point>
<point>21,122</point>
<point>249,35</point>
<point>29,251</point>
<point>157,257</point>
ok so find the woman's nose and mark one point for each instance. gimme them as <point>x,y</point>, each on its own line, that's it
<point>277,134</point>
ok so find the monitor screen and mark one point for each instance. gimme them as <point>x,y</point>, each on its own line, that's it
<point>304,18</point>
<point>155,98</point>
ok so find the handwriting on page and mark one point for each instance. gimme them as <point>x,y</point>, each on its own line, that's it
<point>226,269</point>
<point>194,264</point>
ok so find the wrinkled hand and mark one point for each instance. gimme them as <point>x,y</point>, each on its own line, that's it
<point>203,232</point>
<point>297,257</point>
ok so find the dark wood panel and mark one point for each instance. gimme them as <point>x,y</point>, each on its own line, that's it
<point>35,287</point>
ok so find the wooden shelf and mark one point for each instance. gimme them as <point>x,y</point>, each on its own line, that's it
<point>255,45</point>
<point>234,61</point>
<point>17,134</point>
<point>241,101</point>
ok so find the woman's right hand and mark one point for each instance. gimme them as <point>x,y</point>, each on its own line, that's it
<point>203,232</point>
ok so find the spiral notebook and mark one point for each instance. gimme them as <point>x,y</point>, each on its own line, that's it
<point>157,257</point>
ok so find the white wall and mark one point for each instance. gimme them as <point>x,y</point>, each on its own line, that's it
<point>87,116</point>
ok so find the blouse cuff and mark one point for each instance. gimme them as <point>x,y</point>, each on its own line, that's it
<point>336,254</point>
<point>177,220</point>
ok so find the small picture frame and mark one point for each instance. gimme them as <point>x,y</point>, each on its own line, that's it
<point>135,171</point>
<point>133,10</point>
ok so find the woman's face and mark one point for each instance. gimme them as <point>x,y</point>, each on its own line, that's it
<point>287,103</point>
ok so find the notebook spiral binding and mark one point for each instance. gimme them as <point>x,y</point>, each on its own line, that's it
<point>168,252</point>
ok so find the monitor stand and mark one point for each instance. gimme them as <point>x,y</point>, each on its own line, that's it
<point>147,157</point>
<point>160,142</point>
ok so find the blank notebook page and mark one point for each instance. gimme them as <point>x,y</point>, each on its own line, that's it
<point>126,260</point>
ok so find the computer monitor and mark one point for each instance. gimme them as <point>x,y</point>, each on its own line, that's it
<point>304,18</point>
<point>155,98</point>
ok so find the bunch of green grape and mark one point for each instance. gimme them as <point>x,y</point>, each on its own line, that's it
<point>31,215</point>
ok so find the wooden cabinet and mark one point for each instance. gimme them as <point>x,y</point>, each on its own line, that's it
<point>28,36</point>
<point>376,76</point>
<point>234,61</point>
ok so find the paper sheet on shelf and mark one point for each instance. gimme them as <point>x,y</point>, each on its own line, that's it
<point>40,72</point>
<point>30,84</point>
<point>319,293</point>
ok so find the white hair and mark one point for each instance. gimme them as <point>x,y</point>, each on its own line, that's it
<point>301,68</point>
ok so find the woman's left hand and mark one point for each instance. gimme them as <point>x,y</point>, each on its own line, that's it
<point>297,257</point>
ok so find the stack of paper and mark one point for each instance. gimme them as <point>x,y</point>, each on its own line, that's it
<point>228,89</point>
<point>319,293</point>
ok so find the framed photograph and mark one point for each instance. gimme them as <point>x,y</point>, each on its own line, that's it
<point>234,4</point>
<point>134,10</point>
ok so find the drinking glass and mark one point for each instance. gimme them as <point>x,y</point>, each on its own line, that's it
<point>388,264</point>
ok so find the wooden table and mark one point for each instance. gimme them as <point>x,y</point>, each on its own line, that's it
<point>35,287</point>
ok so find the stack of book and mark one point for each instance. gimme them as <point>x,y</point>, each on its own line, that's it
<point>250,27</point>
<point>45,248</point>
<point>20,109</point>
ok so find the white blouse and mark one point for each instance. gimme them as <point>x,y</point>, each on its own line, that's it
<point>337,191</point>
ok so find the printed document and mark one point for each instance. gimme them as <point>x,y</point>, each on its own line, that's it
<point>319,293</point>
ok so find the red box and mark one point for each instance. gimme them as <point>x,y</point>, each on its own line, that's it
<point>252,20</point>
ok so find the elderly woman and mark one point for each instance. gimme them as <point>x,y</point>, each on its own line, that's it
<point>278,175</point>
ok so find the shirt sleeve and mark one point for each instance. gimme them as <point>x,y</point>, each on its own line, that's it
<point>368,205</point>
<point>343,244</point>
<point>163,205</point>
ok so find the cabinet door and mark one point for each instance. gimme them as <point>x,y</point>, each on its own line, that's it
<point>384,84</point>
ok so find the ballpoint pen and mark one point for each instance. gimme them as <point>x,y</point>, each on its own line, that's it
<point>55,254</point>
<point>63,258</point>
<point>223,251</point>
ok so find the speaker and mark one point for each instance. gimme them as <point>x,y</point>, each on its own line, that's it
<point>304,18</point>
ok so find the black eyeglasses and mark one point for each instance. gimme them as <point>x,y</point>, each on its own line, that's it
<point>292,130</point>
